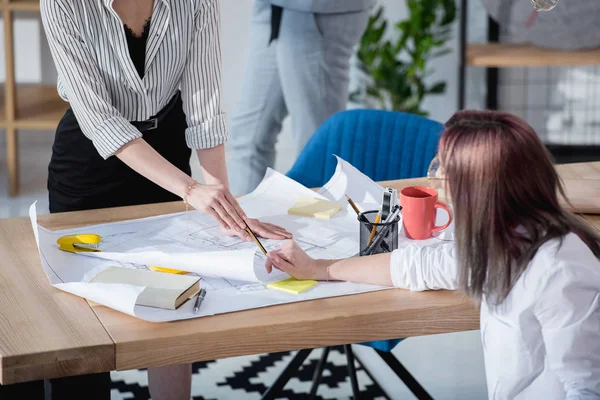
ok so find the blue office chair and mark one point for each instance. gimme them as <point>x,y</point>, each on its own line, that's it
<point>383,145</point>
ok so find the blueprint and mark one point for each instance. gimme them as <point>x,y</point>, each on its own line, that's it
<point>232,270</point>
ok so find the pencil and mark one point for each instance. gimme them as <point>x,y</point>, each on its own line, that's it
<point>258,243</point>
<point>379,238</point>
<point>377,219</point>
<point>353,205</point>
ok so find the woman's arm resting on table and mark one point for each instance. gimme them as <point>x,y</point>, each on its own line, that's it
<point>411,267</point>
<point>418,267</point>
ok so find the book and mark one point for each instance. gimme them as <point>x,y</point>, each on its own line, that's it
<point>317,208</point>
<point>162,290</point>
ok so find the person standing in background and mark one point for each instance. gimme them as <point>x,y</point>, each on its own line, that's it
<point>298,63</point>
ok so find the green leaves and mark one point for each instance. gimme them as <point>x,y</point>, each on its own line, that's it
<point>396,67</point>
<point>438,88</point>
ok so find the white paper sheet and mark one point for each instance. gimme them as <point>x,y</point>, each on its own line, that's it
<point>347,180</point>
<point>66,273</point>
<point>232,271</point>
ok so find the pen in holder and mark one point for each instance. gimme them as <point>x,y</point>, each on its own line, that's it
<point>379,237</point>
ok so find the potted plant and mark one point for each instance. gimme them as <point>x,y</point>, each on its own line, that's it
<point>395,69</point>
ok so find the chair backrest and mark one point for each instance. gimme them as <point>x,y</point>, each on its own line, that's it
<point>383,145</point>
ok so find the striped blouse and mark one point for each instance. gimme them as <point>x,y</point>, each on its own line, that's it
<point>99,80</point>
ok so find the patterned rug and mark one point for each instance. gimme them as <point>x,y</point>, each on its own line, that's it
<point>250,376</point>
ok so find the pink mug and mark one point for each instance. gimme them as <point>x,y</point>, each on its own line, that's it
<point>419,205</point>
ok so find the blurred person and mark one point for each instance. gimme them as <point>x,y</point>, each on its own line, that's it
<point>298,63</point>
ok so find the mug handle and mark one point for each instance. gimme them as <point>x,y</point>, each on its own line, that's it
<point>446,208</point>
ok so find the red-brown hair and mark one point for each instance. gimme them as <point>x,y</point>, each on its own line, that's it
<point>505,190</point>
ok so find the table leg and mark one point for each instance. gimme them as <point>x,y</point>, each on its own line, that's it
<point>352,371</point>
<point>89,387</point>
<point>319,372</point>
<point>287,373</point>
<point>406,377</point>
<point>12,160</point>
<point>28,390</point>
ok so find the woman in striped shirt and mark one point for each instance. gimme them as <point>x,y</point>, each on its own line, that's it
<point>143,81</point>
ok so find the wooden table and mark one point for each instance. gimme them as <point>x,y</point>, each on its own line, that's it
<point>46,333</point>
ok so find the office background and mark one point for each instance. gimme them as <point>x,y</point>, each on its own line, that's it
<point>449,366</point>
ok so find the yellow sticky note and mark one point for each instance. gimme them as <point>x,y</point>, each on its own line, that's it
<point>308,207</point>
<point>166,270</point>
<point>292,285</point>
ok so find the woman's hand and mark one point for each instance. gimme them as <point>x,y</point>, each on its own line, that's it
<point>218,201</point>
<point>291,259</point>
<point>262,229</point>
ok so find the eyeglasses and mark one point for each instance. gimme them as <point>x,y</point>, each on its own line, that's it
<point>544,5</point>
<point>435,170</point>
<point>436,178</point>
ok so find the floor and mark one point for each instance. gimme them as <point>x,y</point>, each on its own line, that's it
<point>449,366</point>
<point>246,378</point>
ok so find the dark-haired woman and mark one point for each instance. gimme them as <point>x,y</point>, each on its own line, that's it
<point>531,265</point>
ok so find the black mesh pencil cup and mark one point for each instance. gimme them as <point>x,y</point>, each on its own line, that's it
<point>379,237</point>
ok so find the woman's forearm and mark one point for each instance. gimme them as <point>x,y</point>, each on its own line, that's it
<point>146,161</point>
<point>371,269</point>
<point>212,164</point>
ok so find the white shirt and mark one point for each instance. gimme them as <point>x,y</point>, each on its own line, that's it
<point>543,342</point>
<point>97,77</point>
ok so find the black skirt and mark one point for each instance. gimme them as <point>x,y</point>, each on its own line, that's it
<point>80,179</point>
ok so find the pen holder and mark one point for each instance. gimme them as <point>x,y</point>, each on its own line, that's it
<point>376,238</point>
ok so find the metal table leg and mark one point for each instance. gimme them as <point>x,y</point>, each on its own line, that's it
<point>319,373</point>
<point>352,371</point>
<point>287,373</point>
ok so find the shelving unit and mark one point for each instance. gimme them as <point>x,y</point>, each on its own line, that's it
<point>23,106</point>
<point>494,55</point>
<point>513,55</point>
<point>23,5</point>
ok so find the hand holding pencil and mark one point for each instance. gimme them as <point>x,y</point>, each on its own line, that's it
<point>258,243</point>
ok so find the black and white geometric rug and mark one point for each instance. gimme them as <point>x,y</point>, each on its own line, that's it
<point>248,377</point>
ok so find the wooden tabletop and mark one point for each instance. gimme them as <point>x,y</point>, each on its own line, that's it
<point>385,314</point>
<point>46,333</point>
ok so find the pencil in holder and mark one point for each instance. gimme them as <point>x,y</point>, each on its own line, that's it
<point>376,238</point>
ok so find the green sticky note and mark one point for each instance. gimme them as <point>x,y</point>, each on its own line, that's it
<point>292,285</point>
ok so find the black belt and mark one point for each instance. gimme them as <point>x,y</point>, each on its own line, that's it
<point>276,13</point>
<point>152,123</point>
